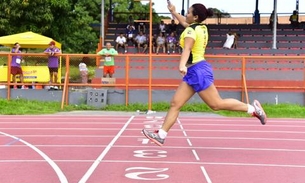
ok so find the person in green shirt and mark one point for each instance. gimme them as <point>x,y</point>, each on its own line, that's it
<point>109,54</point>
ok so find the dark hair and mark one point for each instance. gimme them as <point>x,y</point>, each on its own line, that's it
<point>16,43</point>
<point>202,12</point>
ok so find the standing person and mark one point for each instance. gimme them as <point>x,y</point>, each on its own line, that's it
<point>197,74</point>
<point>16,67</point>
<point>109,54</point>
<point>294,19</point>
<point>53,62</point>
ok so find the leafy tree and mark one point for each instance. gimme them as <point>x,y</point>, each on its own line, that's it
<point>25,15</point>
<point>67,21</point>
<point>220,13</point>
<point>122,9</point>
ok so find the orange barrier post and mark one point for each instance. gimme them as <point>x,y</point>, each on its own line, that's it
<point>9,60</point>
<point>244,82</point>
<point>304,79</point>
<point>150,57</point>
<point>64,90</point>
<point>127,81</point>
<point>67,79</point>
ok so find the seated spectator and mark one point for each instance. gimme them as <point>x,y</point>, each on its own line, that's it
<point>172,27</point>
<point>171,42</point>
<point>231,41</point>
<point>294,19</point>
<point>162,27</point>
<point>130,26</point>
<point>130,35</point>
<point>160,42</point>
<point>141,42</point>
<point>121,42</point>
<point>154,43</point>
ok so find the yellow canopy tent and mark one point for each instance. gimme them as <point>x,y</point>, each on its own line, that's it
<point>30,40</point>
<point>27,40</point>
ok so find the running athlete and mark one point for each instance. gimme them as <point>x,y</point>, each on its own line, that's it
<point>197,74</point>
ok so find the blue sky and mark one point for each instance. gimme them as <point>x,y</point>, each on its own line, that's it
<point>236,6</point>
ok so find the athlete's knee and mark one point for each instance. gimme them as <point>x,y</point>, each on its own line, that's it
<point>175,104</point>
<point>215,106</point>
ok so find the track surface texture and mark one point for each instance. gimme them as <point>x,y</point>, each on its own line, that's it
<point>111,149</point>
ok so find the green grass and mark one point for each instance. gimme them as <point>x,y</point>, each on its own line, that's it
<point>22,107</point>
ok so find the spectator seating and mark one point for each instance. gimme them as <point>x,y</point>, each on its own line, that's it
<point>254,40</point>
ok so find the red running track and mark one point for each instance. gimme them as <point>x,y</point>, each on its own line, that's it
<point>111,149</point>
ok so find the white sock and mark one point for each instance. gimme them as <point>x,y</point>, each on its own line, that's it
<point>162,134</point>
<point>251,109</point>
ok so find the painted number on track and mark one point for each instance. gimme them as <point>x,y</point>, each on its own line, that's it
<point>150,154</point>
<point>146,173</point>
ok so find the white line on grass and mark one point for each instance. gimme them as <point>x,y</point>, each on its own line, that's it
<point>102,155</point>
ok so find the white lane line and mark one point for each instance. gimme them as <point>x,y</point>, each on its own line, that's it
<point>58,171</point>
<point>205,173</point>
<point>196,155</point>
<point>102,155</point>
<point>167,147</point>
<point>40,161</point>
<point>207,163</point>
<point>165,162</point>
<point>65,129</point>
<point>218,148</point>
<point>61,146</point>
<point>189,142</point>
<point>67,136</point>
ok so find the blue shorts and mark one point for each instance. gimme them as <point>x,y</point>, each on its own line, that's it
<point>199,76</point>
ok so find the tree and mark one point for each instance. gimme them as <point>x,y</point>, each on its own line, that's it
<point>123,8</point>
<point>220,13</point>
<point>24,15</point>
<point>67,21</point>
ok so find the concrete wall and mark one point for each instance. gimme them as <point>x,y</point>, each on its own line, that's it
<point>117,96</point>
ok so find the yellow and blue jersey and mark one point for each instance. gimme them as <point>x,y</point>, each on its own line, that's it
<point>199,33</point>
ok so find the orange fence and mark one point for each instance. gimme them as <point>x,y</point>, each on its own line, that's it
<point>242,68</point>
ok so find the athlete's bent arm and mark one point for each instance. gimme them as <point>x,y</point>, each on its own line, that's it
<point>179,17</point>
<point>188,45</point>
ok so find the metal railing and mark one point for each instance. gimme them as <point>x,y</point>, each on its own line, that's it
<point>243,67</point>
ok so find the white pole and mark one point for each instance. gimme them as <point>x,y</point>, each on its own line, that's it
<point>102,31</point>
<point>274,25</point>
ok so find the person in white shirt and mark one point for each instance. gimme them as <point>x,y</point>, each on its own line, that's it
<point>162,27</point>
<point>141,41</point>
<point>160,42</point>
<point>231,41</point>
<point>121,42</point>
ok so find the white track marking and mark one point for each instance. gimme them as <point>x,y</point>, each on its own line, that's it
<point>196,155</point>
<point>193,150</point>
<point>58,171</point>
<point>189,142</point>
<point>61,146</point>
<point>165,162</point>
<point>205,173</point>
<point>40,161</point>
<point>218,148</point>
<point>102,155</point>
<point>207,163</point>
<point>167,147</point>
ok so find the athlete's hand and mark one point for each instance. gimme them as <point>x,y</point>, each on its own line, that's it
<point>183,70</point>
<point>171,7</point>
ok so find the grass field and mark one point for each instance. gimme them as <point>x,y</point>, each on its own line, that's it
<point>22,107</point>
